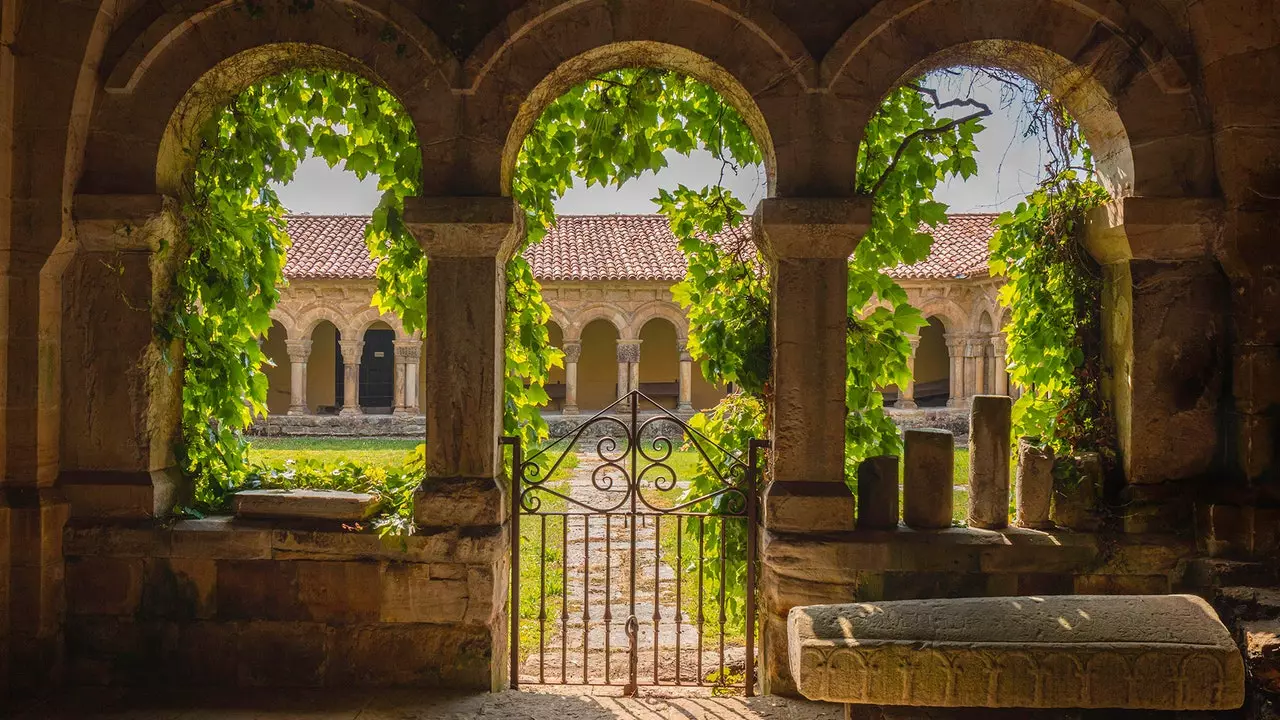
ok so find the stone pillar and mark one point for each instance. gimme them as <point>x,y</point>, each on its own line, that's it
<point>928,479</point>
<point>907,393</point>
<point>1035,484</point>
<point>468,241</point>
<point>878,493</point>
<point>572,353</point>
<point>352,352</point>
<point>299,351</point>
<point>407,352</point>
<point>628,366</point>
<point>955,353</point>
<point>998,348</point>
<point>685,402</point>
<point>989,428</point>
<point>1166,380</point>
<point>975,355</point>
<point>807,243</point>
<point>121,395</point>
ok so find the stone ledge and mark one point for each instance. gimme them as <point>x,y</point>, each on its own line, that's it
<point>334,505</point>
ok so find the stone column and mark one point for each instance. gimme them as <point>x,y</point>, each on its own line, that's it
<point>928,479</point>
<point>628,366</point>
<point>685,402</point>
<point>955,353</point>
<point>121,397</point>
<point>975,355</point>
<point>468,241</point>
<point>407,352</point>
<point>998,348</point>
<point>299,351</point>
<point>572,353</point>
<point>907,393</point>
<point>989,432</point>
<point>807,243</point>
<point>352,352</point>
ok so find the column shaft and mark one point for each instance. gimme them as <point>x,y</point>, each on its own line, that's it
<point>352,351</point>
<point>572,353</point>
<point>907,393</point>
<point>299,352</point>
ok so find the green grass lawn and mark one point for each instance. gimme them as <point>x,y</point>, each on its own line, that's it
<point>381,452</point>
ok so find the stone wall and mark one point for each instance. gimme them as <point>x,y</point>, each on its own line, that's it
<point>227,602</point>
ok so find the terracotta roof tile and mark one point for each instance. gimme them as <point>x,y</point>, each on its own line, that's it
<point>328,246</point>
<point>609,247</point>
<point>961,247</point>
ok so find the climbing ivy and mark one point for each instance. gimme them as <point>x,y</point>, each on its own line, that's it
<point>235,244</point>
<point>1054,293</point>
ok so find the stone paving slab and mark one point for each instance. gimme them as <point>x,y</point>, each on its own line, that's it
<point>602,704</point>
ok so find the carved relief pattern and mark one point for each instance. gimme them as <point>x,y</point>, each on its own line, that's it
<point>629,352</point>
<point>1172,678</point>
<point>572,351</point>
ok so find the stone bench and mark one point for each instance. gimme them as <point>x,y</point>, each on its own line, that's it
<point>1162,652</point>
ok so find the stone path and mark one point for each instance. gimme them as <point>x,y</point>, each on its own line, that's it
<point>414,705</point>
<point>597,547</point>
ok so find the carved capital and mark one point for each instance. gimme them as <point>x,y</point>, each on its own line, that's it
<point>682,347</point>
<point>408,351</point>
<point>572,351</point>
<point>464,226</point>
<point>809,228</point>
<point>629,351</point>
<point>352,351</point>
<point>299,350</point>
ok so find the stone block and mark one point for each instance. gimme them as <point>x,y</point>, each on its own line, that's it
<point>340,591</point>
<point>929,469</point>
<point>116,540</point>
<point>808,507</point>
<point>1034,484</point>
<point>1261,642</point>
<point>1039,584</point>
<point>878,493</point>
<point>411,595</point>
<point>459,502</point>
<point>411,655</point>
<point>989,431</point>
<point>1075,494</point>
<point>1122,584</point>
<point>331,505</point>
<point>221,538</point>
<point>180,588</point>
<point>1160,653</point>
<point>104,586</point>
<point>259,590</point>
<point>912,585</point>
<point>283,654</point>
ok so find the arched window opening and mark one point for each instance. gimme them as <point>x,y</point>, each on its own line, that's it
<point>659,367</point>
<point>932,366</point>
<point>324,370</point>
<point>556,386</point>
<point>278,371</point>
<point>377,370</point>
<point>601,375</point>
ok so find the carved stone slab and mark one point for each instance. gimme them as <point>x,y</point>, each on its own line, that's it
<point>305,504</point>
<point>1163,652</point>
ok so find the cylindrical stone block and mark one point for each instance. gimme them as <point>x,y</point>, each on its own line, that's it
<point>928,480</point>
<point>878,493</point>
<point>1034,484</point>
<point>989,428</point>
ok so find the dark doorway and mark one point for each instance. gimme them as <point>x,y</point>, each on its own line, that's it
<point>377,371</point>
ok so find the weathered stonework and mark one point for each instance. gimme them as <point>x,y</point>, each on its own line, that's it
<point>1161,653</point>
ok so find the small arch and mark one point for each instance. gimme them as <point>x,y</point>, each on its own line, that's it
<point>278,370</point>
<point>324,368</point>
<point>598,365</point>
<point>359,324</point>
<point>377,368</point>
<point>620,55</point>
<point>660,361</point>
<point>932,369</point>
<point>609,313</point>
<point>657,310</point>
<point>954,319</point>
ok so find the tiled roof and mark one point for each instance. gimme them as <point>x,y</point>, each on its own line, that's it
<point>328,246</point>
<point>609,247</point>
<point>961,248</point>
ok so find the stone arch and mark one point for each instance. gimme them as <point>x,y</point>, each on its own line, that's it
<point>1133,99</point>
<point>194,56</point>
<point>308,320</point>
<point>278,315</point>
<point>657,309</point>
<point>546,47</point>
<point>984,324</point>
<point>356,326</point>
<point>954,318</point>
<point>585,316</point>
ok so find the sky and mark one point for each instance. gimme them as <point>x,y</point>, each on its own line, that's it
<point>1008,168</point>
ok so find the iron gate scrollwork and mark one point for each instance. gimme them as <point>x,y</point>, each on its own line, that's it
<point>626,521</point>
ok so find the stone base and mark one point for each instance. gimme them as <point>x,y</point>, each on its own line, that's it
<point>341,426</point>
<point>305,504</point>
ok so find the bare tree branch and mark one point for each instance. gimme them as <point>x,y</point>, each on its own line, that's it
<point>984,110</point>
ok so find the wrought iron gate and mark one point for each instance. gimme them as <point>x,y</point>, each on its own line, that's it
<point>584,594</point>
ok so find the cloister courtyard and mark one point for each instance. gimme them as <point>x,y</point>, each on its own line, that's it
<point>835,450</point>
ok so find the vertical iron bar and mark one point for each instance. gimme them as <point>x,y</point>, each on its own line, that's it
<point>657,585</point>
<point>724,534</point>
<point>702,563</point>
<point>564,600</point>
<point>633,486</point>
<point>542,604</point>
<point>753,530</point>
<point>517,460</point>
<point>679,582</point>
<point>608,592</point>
<point>586,590</point>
